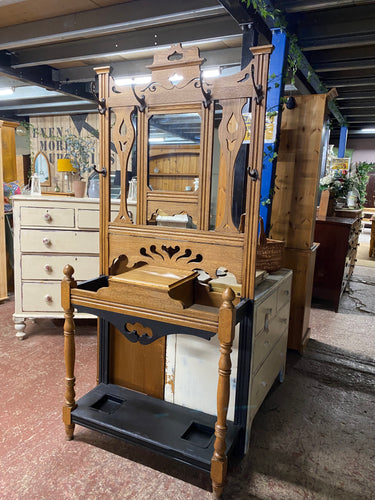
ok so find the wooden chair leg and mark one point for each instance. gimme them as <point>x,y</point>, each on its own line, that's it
<point>69,350</point>
<point>226,336</point>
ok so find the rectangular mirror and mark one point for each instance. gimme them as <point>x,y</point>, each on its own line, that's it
<point>174,152</point>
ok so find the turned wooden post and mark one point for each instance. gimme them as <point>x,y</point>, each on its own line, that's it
<point>226,336</point>
<point>69,350</point>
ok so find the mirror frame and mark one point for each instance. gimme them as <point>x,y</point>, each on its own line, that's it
<point>46,183</point>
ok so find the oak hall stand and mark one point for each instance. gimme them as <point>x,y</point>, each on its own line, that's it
<point>155,280</point>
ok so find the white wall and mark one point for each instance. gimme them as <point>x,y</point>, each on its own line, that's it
<point>364,149</point>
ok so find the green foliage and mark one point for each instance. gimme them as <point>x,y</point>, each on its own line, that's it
<point>79,150</point>
<point>268,201</point>
<point>295,54</point>
<point>360,179</point>
<point>341,184</point>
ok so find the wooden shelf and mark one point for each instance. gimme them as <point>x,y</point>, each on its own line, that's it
<point>172,430</point>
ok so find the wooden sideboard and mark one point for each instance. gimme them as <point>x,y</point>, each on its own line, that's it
<point>335,260</point>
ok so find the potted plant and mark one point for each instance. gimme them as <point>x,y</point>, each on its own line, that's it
<point>349,187</point>
<point>360,178</point>
<point>79,150</point>
<point>338,183</point>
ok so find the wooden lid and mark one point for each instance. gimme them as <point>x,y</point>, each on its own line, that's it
<point>162,278</point>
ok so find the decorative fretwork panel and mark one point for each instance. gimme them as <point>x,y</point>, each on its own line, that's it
<point>123,135</point>
<point>178,253</point>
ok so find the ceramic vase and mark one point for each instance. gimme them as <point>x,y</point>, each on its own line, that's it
<point>79,188</point>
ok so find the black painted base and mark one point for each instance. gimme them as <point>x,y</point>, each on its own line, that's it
<point>180,433</point>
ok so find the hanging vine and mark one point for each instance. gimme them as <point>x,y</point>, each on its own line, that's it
<point>295,57</point>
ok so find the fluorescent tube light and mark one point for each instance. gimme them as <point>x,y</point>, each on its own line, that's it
<point>7,91</point>
<point>367,131</point>
<point>211,73</point>
<point>136,80</point>
<point>154,140</point>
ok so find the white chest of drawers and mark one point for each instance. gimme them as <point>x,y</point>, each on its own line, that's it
<point>50,232</point>
<point>269,339</point>
<point>192,363</point>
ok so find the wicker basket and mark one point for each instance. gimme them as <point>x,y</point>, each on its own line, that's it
<point>269,252</point>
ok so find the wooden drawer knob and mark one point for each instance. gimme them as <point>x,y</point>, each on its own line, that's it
<point>47,217</point>
<point>46,241</point>
<point>48,298</point>
<point>48,268</point>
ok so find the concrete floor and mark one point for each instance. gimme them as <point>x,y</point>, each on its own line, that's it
<point>313,437</point>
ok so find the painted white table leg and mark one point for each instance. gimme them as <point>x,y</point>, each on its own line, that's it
<point>20,325</point>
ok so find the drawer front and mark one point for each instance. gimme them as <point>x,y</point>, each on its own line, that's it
<point>267,374</point>
<point>283,293</point>
<point>267,339</point>
<point>49,217</point>
<point>87,219</point>
<point>50,267</point>
<point>264,313</point>
<point>41,241</point>
<point>41,297</point>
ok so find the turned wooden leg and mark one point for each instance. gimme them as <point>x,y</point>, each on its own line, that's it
<point>69,350</point>
<point>20,325</point>
<point>226,336</point>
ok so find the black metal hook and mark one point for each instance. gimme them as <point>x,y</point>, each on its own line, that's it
<point>102,108</point>
<point>291,102</point>
<point>206,93</point>
<point>103,171</point>
<point>253,174</point>
<point>258,87</point>
<point>141,99</point>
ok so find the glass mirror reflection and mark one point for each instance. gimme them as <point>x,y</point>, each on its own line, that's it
<point>173,154</point>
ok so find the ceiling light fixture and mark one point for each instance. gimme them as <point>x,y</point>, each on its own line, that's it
<point>367,131</point>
